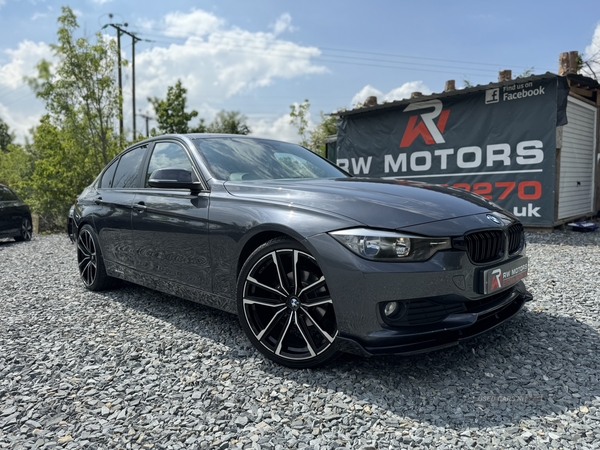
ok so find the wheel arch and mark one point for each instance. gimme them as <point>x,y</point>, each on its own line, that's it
<point>258,239</point>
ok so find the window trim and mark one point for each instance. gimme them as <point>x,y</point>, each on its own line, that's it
<point>187,151</point>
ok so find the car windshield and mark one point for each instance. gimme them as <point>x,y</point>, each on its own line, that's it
<point>235,159</point>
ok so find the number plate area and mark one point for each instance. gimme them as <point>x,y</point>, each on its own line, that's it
<point>503,276</point>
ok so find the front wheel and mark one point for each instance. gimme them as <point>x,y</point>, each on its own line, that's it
<point>285,307</point>
<point>90,261</point>
<point>26,231</point>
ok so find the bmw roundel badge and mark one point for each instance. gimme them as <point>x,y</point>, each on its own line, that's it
<point>494,219</point>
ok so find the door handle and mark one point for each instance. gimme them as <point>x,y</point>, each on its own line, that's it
<point>140,207</point>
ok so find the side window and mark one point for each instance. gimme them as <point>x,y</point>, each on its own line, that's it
<point>107,178</point>
<point>169,155</point>
<point>126,175</point>
<point>8,195</point>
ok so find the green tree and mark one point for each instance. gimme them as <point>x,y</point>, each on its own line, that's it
<point>54,184</point>
<point>6,137</point>
<point>76,139</point>
<point>299,119</point>
<point>80,93</point>
<point>231,122</point>
<point>16,167</point>
<point>170,112</point>
<point>312,139</point>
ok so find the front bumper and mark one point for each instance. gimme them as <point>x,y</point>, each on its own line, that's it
<point>359,287</point>
<point>450,332</point>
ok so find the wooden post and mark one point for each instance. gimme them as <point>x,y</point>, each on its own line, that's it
<point>450,86</point>
<point>505,75</point>
<point>567,63</point>
<point>370,101</point>
<point>35,223</point>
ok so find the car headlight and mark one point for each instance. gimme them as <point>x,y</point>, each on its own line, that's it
<point>380,245</point>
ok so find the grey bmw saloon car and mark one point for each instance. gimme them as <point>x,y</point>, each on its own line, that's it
<point>314,261</point>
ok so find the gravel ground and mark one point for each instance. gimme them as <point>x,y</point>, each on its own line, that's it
<point>132,368</point>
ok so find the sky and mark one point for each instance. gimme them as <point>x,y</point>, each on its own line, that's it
<point>259,57</point>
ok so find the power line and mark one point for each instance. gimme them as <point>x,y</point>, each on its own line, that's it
<point>245,45</point>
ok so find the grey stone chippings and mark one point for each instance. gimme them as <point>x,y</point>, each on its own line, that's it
<point>135,369</point>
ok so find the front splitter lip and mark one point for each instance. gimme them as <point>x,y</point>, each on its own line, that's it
<point>411,345</point>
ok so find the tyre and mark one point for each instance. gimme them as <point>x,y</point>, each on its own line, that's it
<point>90,261</point>
<point>26,230</point>
<point>285,307</point>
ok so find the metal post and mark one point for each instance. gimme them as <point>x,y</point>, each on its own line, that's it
<point>133,39</point>
<point>120,87</point>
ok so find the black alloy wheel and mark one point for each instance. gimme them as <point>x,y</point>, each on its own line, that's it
<point>285,307</point>
<point>26,231</point>
<point>90,262</point>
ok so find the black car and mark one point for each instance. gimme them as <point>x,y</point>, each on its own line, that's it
<point>314,261</point>
<point>15,216</point>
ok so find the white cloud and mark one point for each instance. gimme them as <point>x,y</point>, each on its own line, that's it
<point>366,92</point>
<point>592,52</point>
<point>398,93</point>
<point>20,121</point>
<point>216,61</point>
<point>283,23</point>
<point>39,15</point>
<point>18,106</point>
<point>22,62</point>
<point>196,23</point>
<point>280,129</point>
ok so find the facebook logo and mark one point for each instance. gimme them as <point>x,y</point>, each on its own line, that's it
<point>492,96</point>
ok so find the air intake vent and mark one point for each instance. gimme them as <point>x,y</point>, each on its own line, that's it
<point>485,246</point>
<point>516,238</point>
<point>421,312</point>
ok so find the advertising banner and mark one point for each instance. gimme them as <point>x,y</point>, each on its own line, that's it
<point>498,142</point>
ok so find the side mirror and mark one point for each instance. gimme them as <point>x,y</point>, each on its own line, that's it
<point>173,178</point>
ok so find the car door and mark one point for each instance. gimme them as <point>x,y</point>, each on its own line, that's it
<point>10,221</point>
<point>170,226</point>
<point>4,213</point>
<point>112,214</point>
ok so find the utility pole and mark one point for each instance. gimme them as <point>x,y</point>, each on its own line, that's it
<point>120,88</point>
<point>134,39</point>
<point>117,26</point>
<point>148,118</point>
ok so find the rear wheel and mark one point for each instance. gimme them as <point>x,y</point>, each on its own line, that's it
<point>285,307</point>
<point>90,261</point>
<point>26,230</point>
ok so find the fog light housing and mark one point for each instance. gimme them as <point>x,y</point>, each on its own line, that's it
<point>390,308</point>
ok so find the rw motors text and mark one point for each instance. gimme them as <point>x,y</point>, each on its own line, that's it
<point>448,159</point>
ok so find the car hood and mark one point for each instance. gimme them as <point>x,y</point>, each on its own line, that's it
<point>390,204</point>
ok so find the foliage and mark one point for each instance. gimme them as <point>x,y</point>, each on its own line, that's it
<point>6,137</point>
<point>312,139</point>
<point>54,184</point>
<point>173,118</point>
<point>526,73</point>
<point>299,119</point>
<point>231,122</point>
<point>76,139</point>
<point>16,167</point>
<point>170,112</point>
<point>589,66</point>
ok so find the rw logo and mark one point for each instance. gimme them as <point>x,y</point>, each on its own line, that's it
<point>426,128</point>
